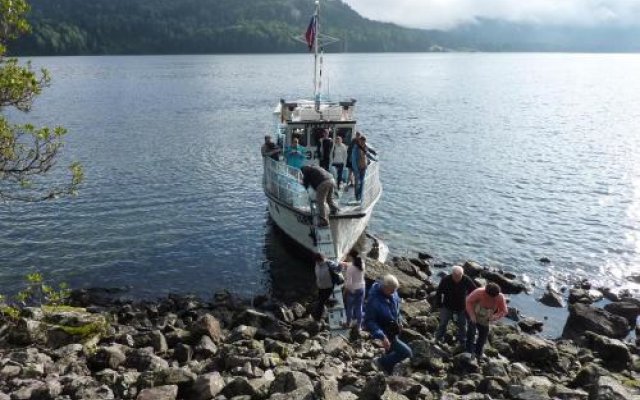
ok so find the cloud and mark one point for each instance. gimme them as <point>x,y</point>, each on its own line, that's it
<point>446,14</point>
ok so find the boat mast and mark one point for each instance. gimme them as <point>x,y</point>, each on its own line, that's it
<point>316,81</point>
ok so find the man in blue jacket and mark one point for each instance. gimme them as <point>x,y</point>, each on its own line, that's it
<point>382,319</point>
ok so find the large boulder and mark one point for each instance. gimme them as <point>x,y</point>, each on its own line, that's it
<point>107,357</point>
<point>409,285</point>
<point>584,318</point>
<point>507,286</point>
<point>552,298</point>
<point>207,386</point>
<point>607,388</point>
<point>613,352</point>
<point>473,269</point>
<point>208,325</point>
<point>585,296</point>
<point>289,381</point>
<point>629,309</point>
<point>532,349</point>
<point>169,392</point>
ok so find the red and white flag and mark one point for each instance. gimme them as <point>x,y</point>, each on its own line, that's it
<point>310,36</point>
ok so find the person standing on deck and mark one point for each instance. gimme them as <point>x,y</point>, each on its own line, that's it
<point>322,182</point>
<point>325,149</point>
<point>339,158</point>
<point>294,154</point>
<point>484,305</point>
<point>270,149</point>
<point>360,161</point>
<point>382,319</point>
<point>450,298</point>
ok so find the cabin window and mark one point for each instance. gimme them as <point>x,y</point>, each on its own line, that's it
<point>345,134</point>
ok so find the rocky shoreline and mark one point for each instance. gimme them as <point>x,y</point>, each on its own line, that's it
<point>182,347</point>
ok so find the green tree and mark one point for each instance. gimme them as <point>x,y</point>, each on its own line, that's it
<point>27,153</point>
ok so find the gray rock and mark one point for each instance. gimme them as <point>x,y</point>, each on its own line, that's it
<point>564,393</point>
<point>337,346</point>
<point>464,363</point>
<point>614,353</point>
<point>95,393</point>
<point>585,318</point>
<point>520,392</point>
<point>552,298</point>
<point>183,353</point>
<point>607,388</point>
<point>207,386</point>
<point>508,286</point>
<point>625,308</point>
<point>530,325</point>
<point>27,390</point>
<point>4,396</point>
<point>144,360</point>
<point>169,392</point>
<point>532,349</point>
<point>328,389</point>
<point>374,388</point>
<point>208,325</point>
<point>588,375</point>
<point>473,269</point>
<point>158,342</point>
<point>303,393</point>
<point>173,376</point>
<point>289,381</point>
<point>240,386</point>
<point>107,376</point>
<point>424,351</point>
<point>206,348</point>
<point>538,382</point>
<point>243,332</point>
<point>107,357</point>
<point>585,296</point>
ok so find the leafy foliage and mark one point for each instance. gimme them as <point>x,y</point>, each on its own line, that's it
<point>27,153</point>
<point>203,26</point>
<point>36,293</point>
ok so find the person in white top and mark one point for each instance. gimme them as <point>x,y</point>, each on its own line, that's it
<point>339,158</point>
<point>354,289</point>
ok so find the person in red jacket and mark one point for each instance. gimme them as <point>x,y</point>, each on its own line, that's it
<point>484,305</point>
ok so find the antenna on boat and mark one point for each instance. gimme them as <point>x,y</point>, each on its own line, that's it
<point>316,42</point>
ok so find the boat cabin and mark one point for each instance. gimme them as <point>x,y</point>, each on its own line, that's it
<point>307,121</point>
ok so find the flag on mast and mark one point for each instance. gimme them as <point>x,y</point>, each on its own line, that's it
<point>310,36</point>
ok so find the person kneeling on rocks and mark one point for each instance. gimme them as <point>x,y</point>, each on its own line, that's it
<point>484,305</point>
<point>382,319</point>
<point>450,298</point>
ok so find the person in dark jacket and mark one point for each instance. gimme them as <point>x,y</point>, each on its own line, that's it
<point>450,297</point>
<point>382,319</point>
<point>322,182</point>
<point>325,149</point>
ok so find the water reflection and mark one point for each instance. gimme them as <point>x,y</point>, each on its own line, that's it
<point>288,266</point>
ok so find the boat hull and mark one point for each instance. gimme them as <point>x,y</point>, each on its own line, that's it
<point>296,223</point>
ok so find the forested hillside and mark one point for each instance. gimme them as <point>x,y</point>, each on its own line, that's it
<point>202,26</point>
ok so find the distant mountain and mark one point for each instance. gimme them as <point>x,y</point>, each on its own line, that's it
<point>202,26</point>
<point>69,27</point>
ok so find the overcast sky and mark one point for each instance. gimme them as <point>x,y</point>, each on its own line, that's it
<point>444,14</point>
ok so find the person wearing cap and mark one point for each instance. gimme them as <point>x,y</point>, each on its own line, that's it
<point>382,319</point>
<point>484,305</point>
<point>450,298</point>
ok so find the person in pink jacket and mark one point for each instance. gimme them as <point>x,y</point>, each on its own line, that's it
<point>484,305</point>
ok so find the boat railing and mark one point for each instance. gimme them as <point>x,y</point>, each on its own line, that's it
<point>284,183</point>
<point>372,185</point>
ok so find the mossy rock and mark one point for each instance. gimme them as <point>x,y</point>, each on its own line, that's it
<point>74,326</point>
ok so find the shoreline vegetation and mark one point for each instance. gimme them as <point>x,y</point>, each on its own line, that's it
<point>102,345</point>
<point>159,27</point>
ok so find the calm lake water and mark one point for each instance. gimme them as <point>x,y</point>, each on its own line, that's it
<point>501,158</point>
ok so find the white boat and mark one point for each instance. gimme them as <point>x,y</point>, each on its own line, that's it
<point>289,205</point>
